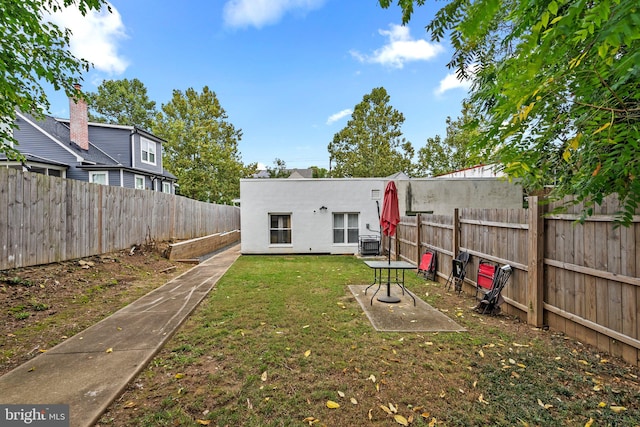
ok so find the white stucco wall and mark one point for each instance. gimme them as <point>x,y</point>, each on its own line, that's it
<point>312,228</point>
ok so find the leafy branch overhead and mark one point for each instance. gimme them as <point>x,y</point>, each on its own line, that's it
<point>557,83</point>
<point>35,51</point>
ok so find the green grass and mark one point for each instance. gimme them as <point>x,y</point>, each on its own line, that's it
<point>280,336</point>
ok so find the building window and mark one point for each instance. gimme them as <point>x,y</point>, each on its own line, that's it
<point>139,182</point>
<point>148,151</point>
<point>166,187</point>
<point>98,178</point>
<point>280,229</point>
<point>345,228</point>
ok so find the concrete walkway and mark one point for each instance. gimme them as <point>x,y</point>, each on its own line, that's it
<point>90,370</point>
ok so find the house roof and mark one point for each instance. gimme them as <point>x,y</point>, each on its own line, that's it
<point>94,157</point>
<point>62,135</point>
<point>36,159</point>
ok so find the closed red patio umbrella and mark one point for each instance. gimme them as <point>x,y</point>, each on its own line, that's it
<point>388,222</point>
<point>390,212</point>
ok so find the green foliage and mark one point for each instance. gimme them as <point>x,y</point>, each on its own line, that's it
<point>558,83</point>
<point>279,169</point>
<point>122,102</point>
<point>201,146</point>
<point>34,51</point>
<point>371,144</point>
<point>440,156</point>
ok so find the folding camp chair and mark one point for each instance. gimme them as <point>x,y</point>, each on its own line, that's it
<point>492,300</point>
<point>486,275</point>
<point>428,265</point>
<point>458,271</point>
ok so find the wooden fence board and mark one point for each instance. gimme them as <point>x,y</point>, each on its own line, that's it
<point>47,219</point>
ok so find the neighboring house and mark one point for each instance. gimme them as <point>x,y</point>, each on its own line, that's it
<point>124,156</point>
<point>282,216</point>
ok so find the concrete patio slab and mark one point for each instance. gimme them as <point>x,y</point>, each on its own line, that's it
<point>402,316</point>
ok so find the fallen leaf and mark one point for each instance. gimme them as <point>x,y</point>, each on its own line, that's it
<point>341,393</point>
<point>481,399</point>
<point>617,409</point>
<point>264,376</point>
<point>372,378</point>
<point>521,365</point>
<point>129,404</point>
<point>179,375</point>
<point>393,408</point>
<point>481,353</point>
<point>513,362</point>
<point>401,420</point>
<point>385,409</point>
<point>370,415</point>
<point>425,415</point>
<point>589,423</point>
<point>544,405</point>
<point>602,405</point>
<point>332,405</point>
<point>515,375</point>
<point>354,401</point>
<point>203,422</point>
<point>109,350</point>
<point>307,353</point>
<point>597,387</point>
<point>433,422</point>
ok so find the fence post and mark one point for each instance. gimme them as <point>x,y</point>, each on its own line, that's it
<point>535,275</point>
<point>418,238</point>
<point>455,244</point>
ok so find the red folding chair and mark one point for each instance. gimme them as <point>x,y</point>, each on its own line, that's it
<point>486,274</point>
<point>428,264</point>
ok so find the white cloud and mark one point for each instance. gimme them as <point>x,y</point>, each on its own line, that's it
<point>451,82</point>
<point>337,116</point>
<point>400,49</point>
<point>258,13</point>
<point>95,37</point>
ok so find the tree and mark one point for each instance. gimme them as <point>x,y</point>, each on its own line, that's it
<point>558,82</point>
<point>279,169</point>
<point>201,146</point>
<point>440,156</point>
<point>34,51</point>
<point>319,172</point>
<point>122,102</point>
<point>371,144</point>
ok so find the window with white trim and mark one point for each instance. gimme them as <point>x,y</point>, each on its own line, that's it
<point>99,177</point>
<point>148,151</point>
<point>280,229</point>
<point>166,187</point>
<point>345,228</point>
<point>139,182</point>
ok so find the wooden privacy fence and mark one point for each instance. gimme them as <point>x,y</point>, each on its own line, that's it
<point>581,279</point>
<point>47,219</point>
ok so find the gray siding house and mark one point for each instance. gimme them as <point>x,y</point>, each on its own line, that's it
<point>124,156</point>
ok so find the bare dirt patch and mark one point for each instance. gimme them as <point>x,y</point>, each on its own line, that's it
<point>44,305</point>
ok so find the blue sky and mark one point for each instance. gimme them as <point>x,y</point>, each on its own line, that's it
<point>287,72</point>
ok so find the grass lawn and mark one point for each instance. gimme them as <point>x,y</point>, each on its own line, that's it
<point>281,337</point>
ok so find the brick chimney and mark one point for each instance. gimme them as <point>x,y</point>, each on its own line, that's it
<point>79,121</point>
